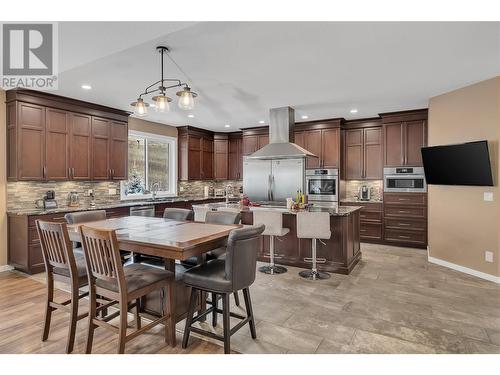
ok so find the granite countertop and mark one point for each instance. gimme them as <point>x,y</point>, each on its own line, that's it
<point>338,211</point>
<point>102,206</point>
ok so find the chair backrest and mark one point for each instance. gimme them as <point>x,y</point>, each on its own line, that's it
<point>200,213</point>
<point>223,217</point>
<point>241,257</point>
<point>102,256</point>
<point>181,214</point>
<point>56,247</point>
<point>85,216</point>
<point>313,225</point>
<point>273,220</point>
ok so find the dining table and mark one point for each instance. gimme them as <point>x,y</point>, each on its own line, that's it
<point>170,240</point>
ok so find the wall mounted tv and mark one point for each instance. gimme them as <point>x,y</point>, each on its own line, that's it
<point>461,164</point>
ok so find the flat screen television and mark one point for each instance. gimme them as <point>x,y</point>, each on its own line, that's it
<point>461,164</point>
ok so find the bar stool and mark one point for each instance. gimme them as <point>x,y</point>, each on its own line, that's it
<point>181,214</point>
<point>273,220</point>
<point>316,226</point>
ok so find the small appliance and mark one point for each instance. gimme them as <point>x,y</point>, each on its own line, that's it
<point>365,193</point>
<point>73,199</point>
<point>404,180</point>
<point>49,201</point>
<point>220,193</point>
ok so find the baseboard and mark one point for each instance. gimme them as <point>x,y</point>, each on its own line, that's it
<point>469,271</point>
<point>6,268</point>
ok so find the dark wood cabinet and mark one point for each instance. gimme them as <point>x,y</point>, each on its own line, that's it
<point>405,133</point>
<point>312,141</point>
<point>363,154</point>
<point>254,139</point>
<point>221,154</point>
<point>235,162</point>
<point>207,159</point>
<point>323,140</point>
<point>370,221</point>
<point>52,138</point>
<point>196,154</point>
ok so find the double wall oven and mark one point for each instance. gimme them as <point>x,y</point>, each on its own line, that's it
<point>404,180</point>
<point>322,186</point>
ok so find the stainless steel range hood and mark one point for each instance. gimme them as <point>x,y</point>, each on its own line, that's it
<point>281,124</point>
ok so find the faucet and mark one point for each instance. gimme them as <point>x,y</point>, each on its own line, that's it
<point>229,189</point>
<point>154,189</point>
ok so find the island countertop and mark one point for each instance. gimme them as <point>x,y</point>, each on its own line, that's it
<point>337,211</point>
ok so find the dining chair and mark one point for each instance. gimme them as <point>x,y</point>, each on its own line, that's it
<point>63,265</point>
<point>224,277</point>
<point>123,286</point>
<point>181,214</point>
<point>83,217</point>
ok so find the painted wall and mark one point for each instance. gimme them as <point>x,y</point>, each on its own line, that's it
<point>461,224</point>
<point>3,181</point>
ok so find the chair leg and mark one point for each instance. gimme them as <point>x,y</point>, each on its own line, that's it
<point>169,305</point>
<point>122,331</point>
<point>73,319</point>
<point>48,308</point>
<point>248,305</point>
<point>92,316</point>
<point>236,298</point>
<point>189,319</point>
<point>137,314</point>
<point>214,313</point>
<point>226,323</point>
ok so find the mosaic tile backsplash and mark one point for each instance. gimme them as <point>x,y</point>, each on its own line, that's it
<point>350,190</point>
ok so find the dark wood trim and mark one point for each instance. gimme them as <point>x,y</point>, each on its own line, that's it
<point>410,115</point>
<point>221,136</point>
<point>362,123</point>
<point>321,124</point>
<point>191,130</point>
<point>255,131</point>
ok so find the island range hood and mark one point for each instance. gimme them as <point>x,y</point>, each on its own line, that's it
<point>281,124</point>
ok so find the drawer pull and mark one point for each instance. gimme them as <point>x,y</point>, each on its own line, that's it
<point>362,230</point>
<point>362,215</point>
<point>59,218</point>
<point>404,224</point>
<point>406,237</point>
<point>404,212</point>
<point>403,199</point>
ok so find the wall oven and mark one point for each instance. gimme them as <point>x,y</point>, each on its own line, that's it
<point>322,186</point>
<point>404,180</point>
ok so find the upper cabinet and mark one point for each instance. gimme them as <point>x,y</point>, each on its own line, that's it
<point>196,154</point>
<point>221,163</point>
<point>254,139</point>
<point>52,138</point>
<point>235,156</point>
<point>323,140</point>
<point>405,133</point>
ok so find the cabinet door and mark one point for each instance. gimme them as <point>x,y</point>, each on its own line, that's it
<point>235,162</point>
<point>118,157</point>
<point>221,159</point>
<point>354,154</point>
<point>194,157</point>
<point>263,140</point>
<point>100,149</point>
<point>299,139</point>
<point>250,144</point>
<point>207,172</point>
<point>31,137</point>
<point>373,164</point>
<point>56,145</point>
<point>393,145</point>
<point>312,140</point>
<point>415,140</point>
<point>330,147</point>
<point>80,159</point>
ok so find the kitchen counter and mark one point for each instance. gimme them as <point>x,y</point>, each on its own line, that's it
<point>339,211</point>
<point>103,206</point>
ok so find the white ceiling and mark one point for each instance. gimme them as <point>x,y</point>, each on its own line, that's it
<point>241,69</point>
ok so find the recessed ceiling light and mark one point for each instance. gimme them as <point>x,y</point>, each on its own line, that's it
<point>354,110</point>
<point>304,117</point>
<point>86,87</point>
<point>262,122</point>
<point>227,126</point>
<point>191,116</point>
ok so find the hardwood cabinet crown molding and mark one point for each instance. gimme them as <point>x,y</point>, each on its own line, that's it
<point>410,115</point>
<point>191,130</point>
<point>65,103</point>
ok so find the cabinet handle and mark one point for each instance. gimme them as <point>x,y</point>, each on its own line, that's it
<point>404,212</point>
<point>44,171</point>
<point>406,237</point>
<point>362,230</point>
<point>404,224</point>
<point>403,199</point>
<point>73,172</point>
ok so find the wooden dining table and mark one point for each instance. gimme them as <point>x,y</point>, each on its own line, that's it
<point>168,239</point>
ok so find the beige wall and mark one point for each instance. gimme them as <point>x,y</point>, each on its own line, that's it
<point>151,127</point>
<point>3,181</point>
<point>461,224</point>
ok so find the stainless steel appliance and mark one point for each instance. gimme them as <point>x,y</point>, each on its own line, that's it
<point>322,186</point>
<point>272,180</point>
<point>143,211</point>
<point>365,193</point>
<point>49,201</point>
<point>404,180</point>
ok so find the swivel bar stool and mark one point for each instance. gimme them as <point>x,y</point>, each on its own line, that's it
<point>316,226</point>
<point>273,221</point>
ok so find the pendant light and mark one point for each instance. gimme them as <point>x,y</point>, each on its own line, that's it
<point>141,107</point>
<point>186,98</point>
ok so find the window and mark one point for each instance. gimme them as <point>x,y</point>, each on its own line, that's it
<point>152,166</point>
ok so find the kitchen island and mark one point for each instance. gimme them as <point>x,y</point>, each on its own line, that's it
<point>341,251</point>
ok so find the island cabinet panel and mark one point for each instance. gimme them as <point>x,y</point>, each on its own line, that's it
<point>51,138</point>
<point>405,133</point>
<point>341,251</point>
<point>235,162</point>
<point>196,154</point>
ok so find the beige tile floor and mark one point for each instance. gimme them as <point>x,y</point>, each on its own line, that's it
<point>394,301</point>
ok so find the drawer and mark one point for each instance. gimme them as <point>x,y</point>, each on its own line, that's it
<point>407,236</point>
<point>370,231</point>
<point>59,218</point>
<point>33,236</point>
<point>36,257</point>
<point>405,211</point>
<point>419,199</point>
<point>398,223</point>
<point>370,216</point>
<point>117,212</point>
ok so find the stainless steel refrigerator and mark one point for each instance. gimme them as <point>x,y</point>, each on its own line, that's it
<point>273,180</point>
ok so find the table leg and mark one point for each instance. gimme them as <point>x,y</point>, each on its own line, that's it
<point>171,301</point>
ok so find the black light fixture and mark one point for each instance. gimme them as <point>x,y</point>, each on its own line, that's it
<point>186,96</point>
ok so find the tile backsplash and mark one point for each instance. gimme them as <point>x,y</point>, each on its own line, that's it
<point>350,189</point>
<point>197,188</point>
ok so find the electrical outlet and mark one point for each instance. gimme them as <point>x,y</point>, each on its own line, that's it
<point>112,191</point>
<point>488,196</point>
<point>488,256</point>
<point>181,188</point>
<point>89,192</point>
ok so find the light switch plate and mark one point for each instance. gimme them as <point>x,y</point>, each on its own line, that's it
<point>488,256</point>
<point>488,196</point>
<point>112,191</point>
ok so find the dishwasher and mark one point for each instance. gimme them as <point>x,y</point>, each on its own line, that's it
<point>143,211</point>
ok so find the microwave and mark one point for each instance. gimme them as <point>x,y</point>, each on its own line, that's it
<point>404,180</point>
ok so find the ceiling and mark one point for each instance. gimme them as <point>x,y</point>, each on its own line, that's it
<point>242,69</point>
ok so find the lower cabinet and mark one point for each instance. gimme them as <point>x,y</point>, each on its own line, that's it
<point>370,220</point>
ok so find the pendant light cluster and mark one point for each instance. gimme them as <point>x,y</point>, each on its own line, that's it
<point>186,96</point>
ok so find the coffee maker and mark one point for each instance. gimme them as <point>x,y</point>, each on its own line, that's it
<point>49,201</point>
<point>364,193</point>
